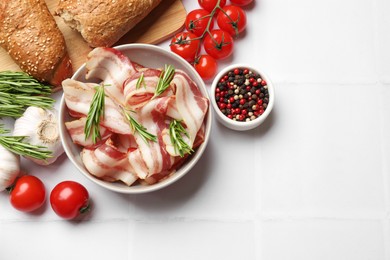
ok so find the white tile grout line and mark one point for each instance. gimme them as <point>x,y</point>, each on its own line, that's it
<point>386,188</point>
<point>377,4</point>
<point>257,207</point>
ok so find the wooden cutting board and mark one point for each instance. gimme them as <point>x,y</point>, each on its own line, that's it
<point>162,23</point>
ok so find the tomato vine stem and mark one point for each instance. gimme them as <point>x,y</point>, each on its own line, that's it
<point>218,45</point>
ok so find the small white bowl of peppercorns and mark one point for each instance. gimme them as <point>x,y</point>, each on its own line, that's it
<point>242,97</point>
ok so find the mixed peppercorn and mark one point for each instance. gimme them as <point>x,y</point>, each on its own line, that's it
<point>242,95</point>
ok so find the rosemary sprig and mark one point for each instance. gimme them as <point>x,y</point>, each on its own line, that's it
<point>9,110</point>
<point>16,145</point>
<point>138,128</point>
<point>140,82</point>
<point>37,101</point>
<point>95,113</point>
<point>176,132</point>
<point>18,91</point>
<point>17,103</point>
<point>22,83</point>
<point>165,79</point>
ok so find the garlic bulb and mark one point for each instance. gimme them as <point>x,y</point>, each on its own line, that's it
<point>40,126</point>
<point>9,168</point>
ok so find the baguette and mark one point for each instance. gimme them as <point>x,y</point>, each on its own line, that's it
<point>101,22</point>
<point>29,33</point>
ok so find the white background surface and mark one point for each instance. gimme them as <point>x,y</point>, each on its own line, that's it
<point>313,182</point>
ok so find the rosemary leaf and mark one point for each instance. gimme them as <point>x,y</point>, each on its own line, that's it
<point>140,82</point>
<point>165,79</point>
<point>16,145</point>
<point>36,101</point>
<point>95,113</point>
<point>11,110</point>
<point>176,133</point>
<point>138,128</point>
<point>22,83</point>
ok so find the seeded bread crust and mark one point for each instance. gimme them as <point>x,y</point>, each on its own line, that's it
<point>31,36</point>
<point>103,22</point>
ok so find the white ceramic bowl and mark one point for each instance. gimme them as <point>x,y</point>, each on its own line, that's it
<point>154,57</point>
<point>238,125</point>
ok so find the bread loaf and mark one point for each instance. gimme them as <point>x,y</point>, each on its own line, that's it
<point>31,36</point>
<point>103,22</point>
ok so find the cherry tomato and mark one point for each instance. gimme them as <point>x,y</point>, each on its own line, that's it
<point>241,2</point>
<point>185,45</point>
<point>206,66</point>
<point>209,5</point>
<point>219,45</point>
<point>197,20</point>
<point>232,20</point>
<point>28,193</point>
<point>69,199</point>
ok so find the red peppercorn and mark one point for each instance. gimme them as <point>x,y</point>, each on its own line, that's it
<point>231,99</point>
<point>242,101</point>
<point>258,91</point>
<point>244,112</point>
<point>236,71</point>
<point>222,106</point>
<point>229,106</point>
<point>238,111</point>
<point>251,80</point>
<point>255,84</point>
<point>230,116</point>
<point>217,90</point>
<point>246,71</point>
<point>260,102</point>
<point>263,83</point>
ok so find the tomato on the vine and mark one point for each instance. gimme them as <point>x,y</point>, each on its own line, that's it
<point>218,44</point>
<point>206,66</point>
<point>186,45</point>
<point>28,194</point>
<point>69,199</point>
<point>209,5</point>
<point>232,20</point>
<point>197,20</point>
<point>241,2</point>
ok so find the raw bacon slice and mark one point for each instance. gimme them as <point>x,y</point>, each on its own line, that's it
<point>108,163</point>
<point>153,154</point>
<point>76,130</point>
<point>137,97</point>
<point>112,67</point>
<point>192,107</point>
<point>78,97</point>
<point>172,109</point>
<point>138,164</point>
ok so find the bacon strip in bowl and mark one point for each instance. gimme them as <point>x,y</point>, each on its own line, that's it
<point>124,158</point>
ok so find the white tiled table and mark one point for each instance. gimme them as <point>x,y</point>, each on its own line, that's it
<point>312,183</point>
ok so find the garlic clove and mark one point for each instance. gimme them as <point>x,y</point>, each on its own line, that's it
<point>9,168</point>
<point>40,126</point>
